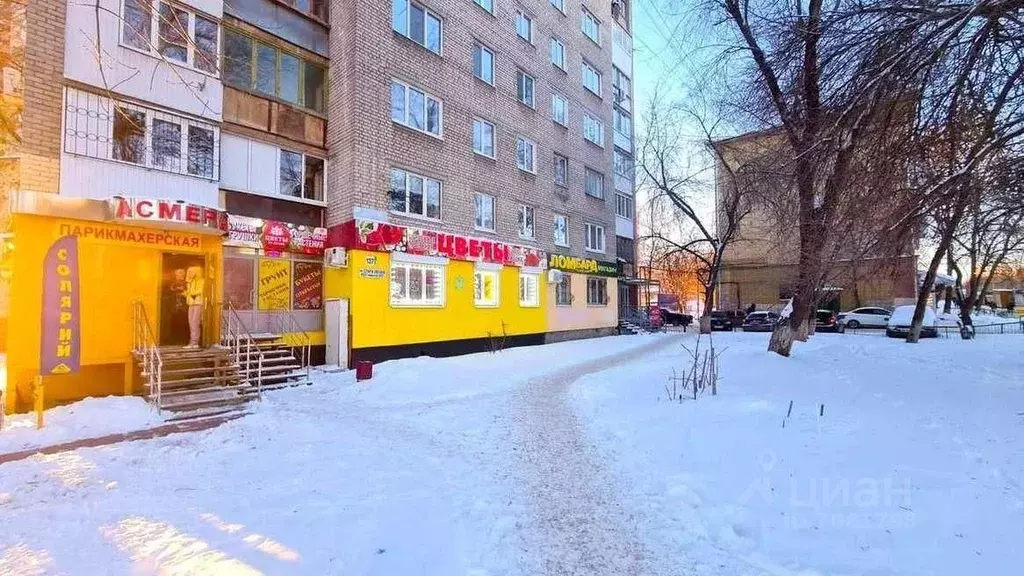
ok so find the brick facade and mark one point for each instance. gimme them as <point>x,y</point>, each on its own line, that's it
<point>364,143</point>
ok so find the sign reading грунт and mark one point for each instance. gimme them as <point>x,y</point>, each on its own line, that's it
<point>578,265</point>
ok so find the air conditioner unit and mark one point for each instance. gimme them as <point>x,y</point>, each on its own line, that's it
<point>555,276</point>
<point>335,258</point>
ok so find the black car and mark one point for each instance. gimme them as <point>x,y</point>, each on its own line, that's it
<point>826,321</point>
<point>760,322</point>
<point>723,320</point>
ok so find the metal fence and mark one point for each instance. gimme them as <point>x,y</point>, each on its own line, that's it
<point>1001,328</point>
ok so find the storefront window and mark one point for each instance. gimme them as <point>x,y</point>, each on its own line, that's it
<point>529,295</point>
<point>485,288</point>
<point>275,277</point>
<point>597,291</point>
<point>417,285</point>
<point>239,282</point>
<point>563,291</point>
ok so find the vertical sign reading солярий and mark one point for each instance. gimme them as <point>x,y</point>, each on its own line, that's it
<point>61,350</point>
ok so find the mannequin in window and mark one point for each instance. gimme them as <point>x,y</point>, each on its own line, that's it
<point>194,297</point>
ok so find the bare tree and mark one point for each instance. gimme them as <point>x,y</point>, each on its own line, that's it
<point>666,159</point>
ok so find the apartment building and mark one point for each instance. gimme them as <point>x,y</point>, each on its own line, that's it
<point>456,172</point>
<point>477,145</point>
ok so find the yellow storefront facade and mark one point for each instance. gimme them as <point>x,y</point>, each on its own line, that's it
<point>121,260</point>
<point>415,292</point>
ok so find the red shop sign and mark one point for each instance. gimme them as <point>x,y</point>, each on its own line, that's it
<point>170,211</point>
<point>384,237</point>
<point>275,236</point>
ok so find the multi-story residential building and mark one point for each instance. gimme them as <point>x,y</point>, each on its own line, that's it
<point>759,267</point>
<point>474,148</point>
<point>466,162</point>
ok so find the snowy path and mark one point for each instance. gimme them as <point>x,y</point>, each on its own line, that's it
<point>581,524</point>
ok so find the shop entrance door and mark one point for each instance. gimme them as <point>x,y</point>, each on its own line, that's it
<point>173,308</point>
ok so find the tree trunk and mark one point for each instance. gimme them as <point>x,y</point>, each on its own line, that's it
<point>781,341</point>
<point>705,322</point>
<point>925,289</point>
<point>709,302</point>
<point>947,307</point>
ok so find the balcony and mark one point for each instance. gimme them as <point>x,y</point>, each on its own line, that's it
<point>623,141</point>
<point>622,50</point>
<point>623,184</point>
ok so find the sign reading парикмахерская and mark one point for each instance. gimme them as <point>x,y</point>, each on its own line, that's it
<point>579,265</point>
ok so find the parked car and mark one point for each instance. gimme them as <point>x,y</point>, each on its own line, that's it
<point>760,322</point>
<point>826,321</point>
<point>899,323</point>
<point>726,319</point>
<point>867,317</point>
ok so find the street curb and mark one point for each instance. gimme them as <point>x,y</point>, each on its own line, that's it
<point>145,434</point>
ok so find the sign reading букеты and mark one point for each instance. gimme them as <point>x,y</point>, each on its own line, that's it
<point>579,265</point>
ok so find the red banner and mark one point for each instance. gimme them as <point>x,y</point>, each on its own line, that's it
<point>384,237</point>
<point>61,342</point>
<point>307,286</point>
<point>274,236</point>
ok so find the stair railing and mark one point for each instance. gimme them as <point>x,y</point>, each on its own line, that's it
<point>241,342</point>
<point>144,346</point>
<point>289,324</point>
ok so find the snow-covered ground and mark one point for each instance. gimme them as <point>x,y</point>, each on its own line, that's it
<point>565,459</point>
<point>916,466</point>
<point>88,418</point>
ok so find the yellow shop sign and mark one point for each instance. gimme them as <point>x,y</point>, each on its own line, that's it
<point>578,265</point>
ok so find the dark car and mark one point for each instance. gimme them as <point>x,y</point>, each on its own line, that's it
<point>722,320</point>
<point>760,322</point>
<point>826,321</point>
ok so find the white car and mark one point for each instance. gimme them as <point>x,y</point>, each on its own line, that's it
<point>867,317</point>
<point>899,322</point>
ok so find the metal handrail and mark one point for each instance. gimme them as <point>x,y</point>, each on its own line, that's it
<point>235,341</point>
<point>144,343</point>
<point>307,347</point>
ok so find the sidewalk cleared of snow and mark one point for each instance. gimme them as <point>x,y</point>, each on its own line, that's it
<point>915,466</point>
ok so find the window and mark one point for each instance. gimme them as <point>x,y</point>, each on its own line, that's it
<point>290,173</point>
<point>252,65</point>
<point>622,122</point>
<point>166,145</point>
<point>485,288</point>
<point>138,24</point>
<point>172,32</point>
<point>129,136</point>
<point>558,53</point>
<point>524,26</point>
<point>200,151</point>
<point>417,285</point>
<point>414,194</point>
<point>484,212</point>
<point>591,78</point>
<point>486,5</point>
<point>623,164</point>
<point>591,26</point>
<point>529,290</point>
<point>526,155</point>
<point>524,88</point>
<point>561,230</point>
<point>300,175</point>
<point>620,88</point>
<point>142,136</point>
<point>561,170</point>
<point>563,291</point>
<point>315,8</point>
<point>624,206</point>
<point>416,109</point>
<point>597,291</point>
<point>483,137</point>
<point>560,4</point>
<point>593,130</point>
<point>560,109</point>
<point>594,183</point>
<point>483,63</point>
<point>417,24</point>
<point>594,237</point>
<point>526,222</point>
